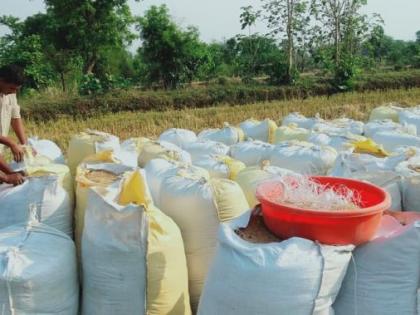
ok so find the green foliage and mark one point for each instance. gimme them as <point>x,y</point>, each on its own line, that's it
<point>343,31</point>
<point>170,55</point>
<point>277,70</point>
<point>256,55</point>
<point>228,92</point>
<point>89,27</point>
<point>91,85</point>
<point>288,20</point>
<point>26,51</point>
<point>345,73</point>
<point>249,17</point>
<point>83,46</point>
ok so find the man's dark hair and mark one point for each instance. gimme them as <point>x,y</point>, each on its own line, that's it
<point>12,74</point>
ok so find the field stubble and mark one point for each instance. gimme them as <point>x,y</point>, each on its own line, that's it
<point>152,123</point>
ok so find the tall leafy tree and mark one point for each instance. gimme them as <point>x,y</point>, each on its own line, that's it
<point>26,50</point>
<point>345,28</point>
<point>249,17</point>
<point>249,48</point>
<point>90,26</point>
<point>287,19</point>
<point>62,57</point>
<point>170,55</point>
<point>343,24</point>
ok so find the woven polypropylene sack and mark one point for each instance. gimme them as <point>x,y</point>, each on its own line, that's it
<point>198,206</point>
<point>383,278</point>
<point>295,276</point>
<point>38,271</point>
<point>132,255</point>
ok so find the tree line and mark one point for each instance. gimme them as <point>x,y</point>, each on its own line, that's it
<point>86,43</point>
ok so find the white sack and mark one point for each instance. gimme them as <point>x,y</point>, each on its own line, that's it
<point>48,149</point>
<point>251,152</point>
<point>228,135</point>
<point>388,125</point>
<point>158,170</point>
<point>178,136</point>
<point>38,271</point>
<point>54,203</point>
<point>296,276</point>
<point>384,277</point>
<point>300,120</point>
<point>204,147</point>
<point>392,140</point>
<point>303,158</point>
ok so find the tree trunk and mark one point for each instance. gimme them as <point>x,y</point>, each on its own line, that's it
<point>290,61</point>
<point>63,82</point>
<point>337,40</point>
<point>90,64</point>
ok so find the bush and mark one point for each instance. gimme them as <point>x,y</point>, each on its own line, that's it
<point>90,85</point>
<point>42,108</point>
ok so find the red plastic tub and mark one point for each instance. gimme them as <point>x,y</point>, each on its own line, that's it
<point>327,227</point>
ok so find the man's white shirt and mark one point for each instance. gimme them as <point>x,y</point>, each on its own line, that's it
<point>9,109</point>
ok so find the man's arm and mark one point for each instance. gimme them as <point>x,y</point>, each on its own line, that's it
<point>7,141</point>
<point>17,126</point>
<point>4,167</point>
<point>8,176</point>
<point>17,150</point>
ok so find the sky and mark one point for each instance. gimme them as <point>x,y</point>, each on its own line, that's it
<point>219,19</point>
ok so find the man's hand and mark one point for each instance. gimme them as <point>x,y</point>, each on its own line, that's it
<point>14,179</point>
<point>18,152</point>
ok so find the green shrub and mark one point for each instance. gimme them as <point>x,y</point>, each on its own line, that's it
<point>115,100</point>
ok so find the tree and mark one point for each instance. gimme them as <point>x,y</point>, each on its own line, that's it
<point>250,48</point>
<point>287,19</point>
<point>345,28</point>
<point>27,51</point>
<point>255,55</point>
<point>169,54</point>
<point>55,47</point>
<point>249,17</point>
<point>90,26</point>
<point>376,44</point>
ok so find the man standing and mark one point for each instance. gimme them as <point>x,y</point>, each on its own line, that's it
<point>11,79</point>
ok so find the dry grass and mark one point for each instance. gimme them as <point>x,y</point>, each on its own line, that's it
<point>151,124</point>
